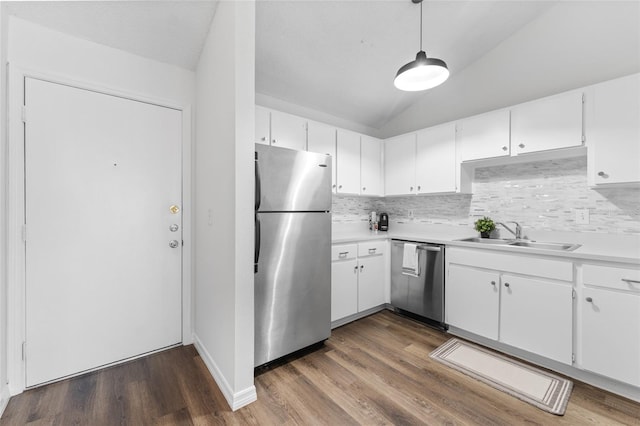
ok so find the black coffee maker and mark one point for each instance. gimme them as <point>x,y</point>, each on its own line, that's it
<point>383,222</point>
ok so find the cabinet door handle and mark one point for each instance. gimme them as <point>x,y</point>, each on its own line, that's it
<point>355,269</point>
<point>361,267</point>
<point>364,188</point>
<point>504,148</point>
<point>419,187</point>
<point>493,283</point>
<point>521,145</point>
<point>333,186</point>
<point>506,284</point>
<point>588,299</point>
<point>603,175</point>
<point>264,138</point>
<point>628,281</point>
<point>411,188</point>
<point>339,186</point>
<point>273,141</point>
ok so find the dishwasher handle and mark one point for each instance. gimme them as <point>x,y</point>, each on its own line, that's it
<point>429,248</point>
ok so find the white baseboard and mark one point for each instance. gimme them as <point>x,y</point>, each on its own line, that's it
<point>4,398</point>
<point>235,400</point>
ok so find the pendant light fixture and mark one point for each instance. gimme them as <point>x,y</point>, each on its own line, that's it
<point>423,73</point>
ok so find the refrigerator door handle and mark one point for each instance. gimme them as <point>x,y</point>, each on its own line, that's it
<point>258,190</point>
<point>256,248</point>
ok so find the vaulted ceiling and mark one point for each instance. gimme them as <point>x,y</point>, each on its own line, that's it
<point>339,57</point>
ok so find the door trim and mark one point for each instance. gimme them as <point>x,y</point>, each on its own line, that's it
<point>15,197</point>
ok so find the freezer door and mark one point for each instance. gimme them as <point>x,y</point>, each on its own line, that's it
<point>293,283</point>
<point>289,180</point>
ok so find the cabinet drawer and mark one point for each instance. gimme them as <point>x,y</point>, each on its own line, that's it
<point>344,252</point>
<point>516,263</point>
<point>611,277</point>
<point>371,248</point>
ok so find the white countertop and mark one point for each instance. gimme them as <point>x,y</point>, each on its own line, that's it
<point>600,247</point>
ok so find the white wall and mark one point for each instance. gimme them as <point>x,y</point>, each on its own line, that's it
<point>4,388</point>
<point>35,50</point>
<point>573,44</point>
<point>223,229</point>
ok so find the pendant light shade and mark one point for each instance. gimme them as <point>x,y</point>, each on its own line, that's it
<point>423,73</point>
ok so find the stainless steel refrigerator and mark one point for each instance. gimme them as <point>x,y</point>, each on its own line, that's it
<point>292,251</point>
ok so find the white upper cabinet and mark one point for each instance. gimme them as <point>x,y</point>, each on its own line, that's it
<point>613,133</point>
<point>400,165</point>
<point>484,136</point>
<point>547,123</point>
<point>288,131</point>
<point>322,139</point>
<point>370,166</point>
<point>436,159</point>
<point>348,159</point>
<point>263,125</point>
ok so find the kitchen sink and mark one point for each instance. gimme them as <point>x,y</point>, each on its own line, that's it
<point>545,246</point>
<point>487,240</point>
<point>523,243</point>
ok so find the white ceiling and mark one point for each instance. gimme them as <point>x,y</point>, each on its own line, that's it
<point>339,57</point>
<point>167,31</point>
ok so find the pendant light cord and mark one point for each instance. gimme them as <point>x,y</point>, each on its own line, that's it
<point>421,25</point>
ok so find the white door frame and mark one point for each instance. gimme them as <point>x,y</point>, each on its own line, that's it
<point>16,259</point>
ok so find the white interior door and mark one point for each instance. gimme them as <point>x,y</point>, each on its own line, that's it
<point>102,282</point>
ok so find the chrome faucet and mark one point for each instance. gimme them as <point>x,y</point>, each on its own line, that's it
<point>518,231</point>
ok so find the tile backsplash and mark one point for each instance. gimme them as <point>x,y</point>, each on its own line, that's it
<point>539,195</point>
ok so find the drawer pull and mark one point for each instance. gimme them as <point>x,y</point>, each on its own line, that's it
<point>629,281</point>
<point>372,251</point>
<point>588,299</point>
<point>343,254</point>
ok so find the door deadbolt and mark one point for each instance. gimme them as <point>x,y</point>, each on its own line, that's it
<point>174,209</point>
<point>173,228</point>
<point>173,243</point>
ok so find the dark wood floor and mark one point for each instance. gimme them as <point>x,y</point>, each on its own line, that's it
<point>374,371</point>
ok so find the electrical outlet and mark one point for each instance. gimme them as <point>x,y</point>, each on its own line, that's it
<point>582,216</point>
<point>410,214</point>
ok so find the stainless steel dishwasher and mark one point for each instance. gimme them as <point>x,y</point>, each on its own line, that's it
<point>422,294</point>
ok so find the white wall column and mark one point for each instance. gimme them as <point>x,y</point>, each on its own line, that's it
<point>223,298</point>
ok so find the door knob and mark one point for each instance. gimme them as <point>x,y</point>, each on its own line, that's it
<point>173,243</point>
<point>174,227</point>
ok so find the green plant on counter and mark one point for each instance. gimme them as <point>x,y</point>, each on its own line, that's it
<point>484,226</point>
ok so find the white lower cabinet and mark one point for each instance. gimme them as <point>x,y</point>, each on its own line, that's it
<point>472,299</point>
<point>357,278</point>
<point>610,326</point>
<point>527,312</point>
<point>344,288</point>
<point>536,315</point>
<point>370,282</point>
